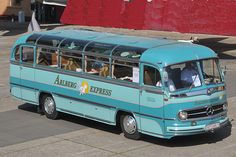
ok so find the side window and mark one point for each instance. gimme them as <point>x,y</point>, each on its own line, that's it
<point>27,54</point>
<point>125,65</point>
<point>73,44</point>
<point>124,70</point>
<point>47,57</point>
<point>71,61</point>
<point>128,52</point>
<point>97,65</point>
<point>17,54</point>
<point>151,76</point>
<point>97,59</point>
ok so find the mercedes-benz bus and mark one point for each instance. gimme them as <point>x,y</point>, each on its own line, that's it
<point>144,85</point>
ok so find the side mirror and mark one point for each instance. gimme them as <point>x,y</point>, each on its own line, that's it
<point>224,70</point>
<point>165,76</point>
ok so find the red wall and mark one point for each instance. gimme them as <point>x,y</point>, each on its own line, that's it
<point>196,16</point>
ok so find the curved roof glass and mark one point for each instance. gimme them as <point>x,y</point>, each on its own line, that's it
<point>152,50</point>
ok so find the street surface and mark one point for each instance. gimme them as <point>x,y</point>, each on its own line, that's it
<point>24,132</point>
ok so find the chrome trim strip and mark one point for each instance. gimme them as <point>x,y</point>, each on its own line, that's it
<point>28,65</point>
<point>151,90</point>
<point>197,113</point>
<point>83,115</point>
<point>148,115</point>
<point>218,109</point>
<point>15,84</point>
<point>187,130</point>
<point>86,101</point>
<point>147,132</point>
<point>91,117</point>
<point>15,62</point>
<point>224,113</point>
<point>73,112</point>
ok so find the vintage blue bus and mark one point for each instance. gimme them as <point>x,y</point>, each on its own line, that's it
<point>153,86</point>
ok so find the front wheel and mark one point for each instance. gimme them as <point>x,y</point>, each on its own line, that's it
<point>49,107</point>
<point>129,127</point>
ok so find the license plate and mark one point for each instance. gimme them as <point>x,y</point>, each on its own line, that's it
<point>212,126</point>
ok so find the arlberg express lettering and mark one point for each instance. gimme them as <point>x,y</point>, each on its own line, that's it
<point>93,89</point>
<point>65,83</point>
<point>101,91</point>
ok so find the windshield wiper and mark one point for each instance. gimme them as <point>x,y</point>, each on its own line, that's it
<point>192,83</point>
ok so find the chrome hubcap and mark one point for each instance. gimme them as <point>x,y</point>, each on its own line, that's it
<point>49,105</point>
<point>129,124</point>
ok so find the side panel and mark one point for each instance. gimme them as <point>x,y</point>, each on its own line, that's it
<point>86,97</point>
<point>15,80</point>
<point>151,101</point>
<point>27,75</point>
<point>151,108</point>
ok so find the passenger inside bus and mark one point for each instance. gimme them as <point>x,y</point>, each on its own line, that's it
<point>47,57</point>
<point>122,71</point>
<point>151,76</point>
<point>97,66</point>
<point>104,71</point>
<point>72,65</point>
<point>42,59</point>
<point>189,75</point>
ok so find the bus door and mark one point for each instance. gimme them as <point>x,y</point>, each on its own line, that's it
<point>151,100</point>
<point>15,73</point>
<point>27,73</point>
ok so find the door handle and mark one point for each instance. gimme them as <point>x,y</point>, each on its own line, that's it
<point>21,68</point>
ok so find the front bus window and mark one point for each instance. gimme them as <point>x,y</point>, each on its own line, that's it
<point>183,76</point>
<point>210,71</point>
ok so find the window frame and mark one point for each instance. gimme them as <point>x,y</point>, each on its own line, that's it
<point>21,51</point>
<point>17,49</point>
<point>110,59</point>
<point>87,53</point>
<point>143,75</point>
<point>60,55</point>
<point>125,65</point>
<point>48,48</point>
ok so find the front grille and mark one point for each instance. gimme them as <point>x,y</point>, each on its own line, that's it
<point>205,111</point>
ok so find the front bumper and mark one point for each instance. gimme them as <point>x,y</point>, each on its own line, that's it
<point>198,129</point>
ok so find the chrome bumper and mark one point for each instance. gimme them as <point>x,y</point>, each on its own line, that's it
<point>191,130</point>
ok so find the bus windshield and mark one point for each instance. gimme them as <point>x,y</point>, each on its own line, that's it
<point>210,71</point>
<point>186,75</point>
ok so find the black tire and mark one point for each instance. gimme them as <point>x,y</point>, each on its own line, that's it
<point>129,127</point>
<point>49,107</point>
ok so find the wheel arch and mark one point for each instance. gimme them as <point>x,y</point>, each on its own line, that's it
<point>41,94</point>
<point>119,113</point>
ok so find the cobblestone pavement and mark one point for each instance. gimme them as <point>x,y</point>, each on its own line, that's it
<point>23,132</point>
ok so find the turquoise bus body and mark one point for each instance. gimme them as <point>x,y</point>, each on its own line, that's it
<point>155,110</point>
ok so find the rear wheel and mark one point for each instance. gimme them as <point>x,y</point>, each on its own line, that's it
<point>49,107</point>
<point>129,127</point>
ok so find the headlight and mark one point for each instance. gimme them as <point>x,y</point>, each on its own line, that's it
<point>183,115</point>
